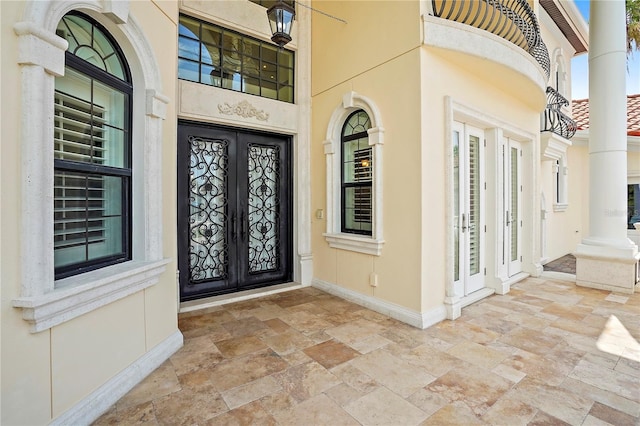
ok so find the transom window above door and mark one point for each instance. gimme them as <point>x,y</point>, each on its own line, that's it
<point>215,56</point>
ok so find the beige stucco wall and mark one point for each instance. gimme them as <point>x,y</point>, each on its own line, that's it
<point>46,373</point>
<point>565,229</point>
<point>409,83</point>
<point>375,32</point>
<point>384,66</point>
<point>560,51</point>
<point>506,104</point>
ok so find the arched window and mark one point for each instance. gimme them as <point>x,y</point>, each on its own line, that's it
<point>77,94</point>
<point>354,157</point>
<point>356,177</point>
<point>92,151</point>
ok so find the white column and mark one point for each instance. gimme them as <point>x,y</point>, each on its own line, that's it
<point>607,258</point>
<point>303,270</point>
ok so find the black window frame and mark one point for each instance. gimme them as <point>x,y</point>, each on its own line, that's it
<point>125,86</point>
<point>262,62</point>
<point>363,184</point>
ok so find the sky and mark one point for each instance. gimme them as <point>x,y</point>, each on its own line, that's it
<point>580,66</point>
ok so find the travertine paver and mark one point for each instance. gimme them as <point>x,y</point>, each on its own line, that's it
<point>547,353</point>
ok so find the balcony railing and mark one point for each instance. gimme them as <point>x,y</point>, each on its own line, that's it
<point>512,20</point>
<point>553,119</point>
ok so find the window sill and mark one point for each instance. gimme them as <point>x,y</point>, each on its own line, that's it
<point>560,207</point>
<point>355,243</point>
<point>77,295</point>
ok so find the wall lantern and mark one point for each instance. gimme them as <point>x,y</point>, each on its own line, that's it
<point>281,17</point>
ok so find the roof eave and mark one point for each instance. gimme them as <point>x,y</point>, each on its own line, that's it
<point>569,20</point>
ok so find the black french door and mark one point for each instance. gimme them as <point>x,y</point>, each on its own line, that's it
<point>234,210</point>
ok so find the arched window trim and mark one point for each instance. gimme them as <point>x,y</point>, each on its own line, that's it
<point>46,302</point>
<point>373,244</point>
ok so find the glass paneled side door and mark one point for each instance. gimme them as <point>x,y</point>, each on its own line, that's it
<point>234,210</point>
<point>468,205</point>
<point>513,205</point>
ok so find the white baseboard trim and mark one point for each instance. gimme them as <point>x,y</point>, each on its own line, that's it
<point>434,316</point>
<point>99,401</point>
<point>416,319</point>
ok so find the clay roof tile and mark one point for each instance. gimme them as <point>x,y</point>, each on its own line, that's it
<point>580,109</point>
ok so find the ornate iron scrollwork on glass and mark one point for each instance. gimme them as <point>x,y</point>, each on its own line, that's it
<point>208,247</point>
<point>263,204</point>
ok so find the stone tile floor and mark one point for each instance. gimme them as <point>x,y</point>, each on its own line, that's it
<point>548,353</point>
<point>565,264</point>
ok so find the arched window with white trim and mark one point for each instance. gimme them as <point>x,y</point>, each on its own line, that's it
<point>354,155</point>
<point>92,151</point>
<point>92,108</point>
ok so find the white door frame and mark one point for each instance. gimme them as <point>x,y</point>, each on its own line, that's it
<point>470,212</point>
<point>513,206</point>
<point>496,279</point>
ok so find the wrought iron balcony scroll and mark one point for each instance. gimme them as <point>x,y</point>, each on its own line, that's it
<point>512,20</point>
<point>553,119</point>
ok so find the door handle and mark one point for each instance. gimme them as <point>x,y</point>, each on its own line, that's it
<point>464,223</point>
<point>233,227</point>
<point>243,228</point>
<point>508,218</point>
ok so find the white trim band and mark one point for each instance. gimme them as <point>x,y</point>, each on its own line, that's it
<point>83,293</point>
